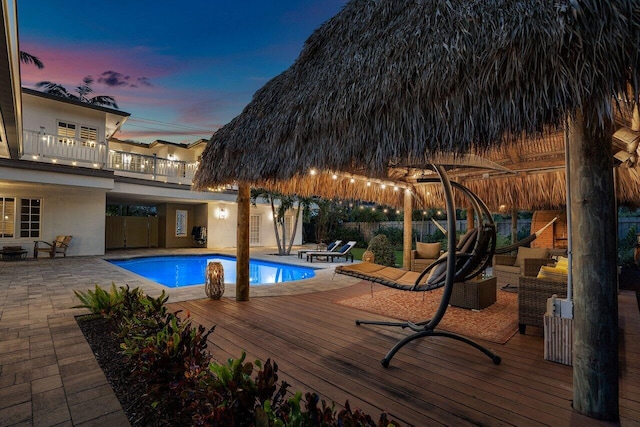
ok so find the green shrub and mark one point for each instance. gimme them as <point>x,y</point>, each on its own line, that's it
<point>626,248</point>
<point>348,234</point>
<point>382,250</point>
<point>395,236</point>
<point>169,356</point>
<point>101,302</point>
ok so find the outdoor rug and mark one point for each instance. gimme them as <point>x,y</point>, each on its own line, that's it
<point>496,323</point>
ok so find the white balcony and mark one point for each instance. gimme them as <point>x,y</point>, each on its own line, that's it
<point>42,147</point>
<point>38,146</point>
<point>151,167</point>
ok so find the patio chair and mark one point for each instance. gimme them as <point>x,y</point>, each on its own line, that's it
<point>508,269</point>
<point>58,246</point>
<point>344,251</point>
<point>424,255</point>
<point>331,247</point>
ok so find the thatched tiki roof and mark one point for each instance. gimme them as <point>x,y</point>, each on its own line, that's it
<point>387,83</point>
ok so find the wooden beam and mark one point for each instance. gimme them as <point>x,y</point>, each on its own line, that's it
<point>513,154</point>
<point>594,268</point>
<point>470,218</point>
<point>514,225</point>
<point>407,240</point>
<point>242,258</point>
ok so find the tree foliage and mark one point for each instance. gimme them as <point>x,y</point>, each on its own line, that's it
<point>84,91</point>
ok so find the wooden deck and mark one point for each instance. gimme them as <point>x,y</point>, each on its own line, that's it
<point>432,381</point>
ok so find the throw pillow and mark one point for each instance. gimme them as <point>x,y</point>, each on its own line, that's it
<point>562,262</point>
<point>552,273</point>
<point>428,250</point>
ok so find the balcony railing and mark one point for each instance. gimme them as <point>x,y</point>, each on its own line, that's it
<point>53,148</point>
<point>151,167</point>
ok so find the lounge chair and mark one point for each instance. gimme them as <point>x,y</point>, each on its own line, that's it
<point>344,251</point>
<point>58,246</point>
<point>331,247</point>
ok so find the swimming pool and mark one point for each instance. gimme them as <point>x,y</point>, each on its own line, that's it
<point>188,270</point>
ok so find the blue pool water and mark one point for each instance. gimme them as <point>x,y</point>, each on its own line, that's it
<point>188,270</point>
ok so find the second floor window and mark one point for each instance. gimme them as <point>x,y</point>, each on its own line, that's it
<point>71,133</point>
<point>66,133</point>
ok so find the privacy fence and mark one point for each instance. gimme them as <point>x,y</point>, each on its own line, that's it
<point>423,228</point>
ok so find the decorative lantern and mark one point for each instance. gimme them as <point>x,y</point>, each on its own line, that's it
<point>214,280</point>
<point>368,256</point>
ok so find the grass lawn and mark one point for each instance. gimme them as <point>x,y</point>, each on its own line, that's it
<point>357,254</point>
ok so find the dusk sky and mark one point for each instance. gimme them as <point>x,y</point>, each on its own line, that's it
<point>181,68</point>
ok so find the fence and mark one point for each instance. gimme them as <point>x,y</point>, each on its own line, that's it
<point>502,227</point>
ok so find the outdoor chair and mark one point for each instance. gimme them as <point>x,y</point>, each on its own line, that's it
<point>58,246</point>
<point>331,248</point>
<point>533,294</point>
<point>344,251</point>
<point>508,269</point>
<point>424,255</point>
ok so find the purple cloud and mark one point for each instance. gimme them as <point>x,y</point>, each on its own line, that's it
<point>144,81</point>
<point>113,78</point>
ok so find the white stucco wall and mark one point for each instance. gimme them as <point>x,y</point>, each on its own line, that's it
<point>222,232</point>
<point>65,211</point>
<point>41,112</point>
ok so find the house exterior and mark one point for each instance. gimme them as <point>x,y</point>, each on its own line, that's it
<point>61,165</point>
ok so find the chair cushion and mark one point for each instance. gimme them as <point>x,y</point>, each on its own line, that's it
<point>552,273</point>
<point>530,253</point>
<point>506,269</point>
<point>428,250</point>
<point>563,262</point>
<point>343,249</point>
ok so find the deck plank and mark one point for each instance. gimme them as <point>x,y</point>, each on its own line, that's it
<point>318,347</point>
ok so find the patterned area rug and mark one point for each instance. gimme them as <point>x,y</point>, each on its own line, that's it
<point>496,323</point>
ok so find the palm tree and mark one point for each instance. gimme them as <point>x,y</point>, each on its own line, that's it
<point>280,204</point>
<point>27,58</point>
<point>83,90</point>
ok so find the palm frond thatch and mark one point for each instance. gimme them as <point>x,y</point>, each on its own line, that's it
<point>385,83</point>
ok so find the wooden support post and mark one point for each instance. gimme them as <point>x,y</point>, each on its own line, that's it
<point>470,218</point>
<point>242,258</point>
<point>514,225</point>
<point>595,350</point>
<point>408,230</point>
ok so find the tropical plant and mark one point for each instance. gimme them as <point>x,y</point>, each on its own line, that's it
<point>27,58</point>
<point>626,248</point>
<point>84,90</point>
<point>382,250</point>
<point>280,205</point>
<point>187,387</point>
<point>100,301</point>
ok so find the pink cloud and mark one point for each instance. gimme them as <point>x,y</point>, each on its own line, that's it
<point>67,65</point>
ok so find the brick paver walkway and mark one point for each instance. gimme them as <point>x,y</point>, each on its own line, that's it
<point>48,374</point>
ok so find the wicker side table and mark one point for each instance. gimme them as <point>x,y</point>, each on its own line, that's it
<point>475,294</point>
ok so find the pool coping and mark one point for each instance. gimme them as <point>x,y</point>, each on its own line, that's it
<point>325,277</point>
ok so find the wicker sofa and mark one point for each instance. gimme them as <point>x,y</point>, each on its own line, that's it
<point>508,268</point>
<point>424,255</point>
<point>532,299</point>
